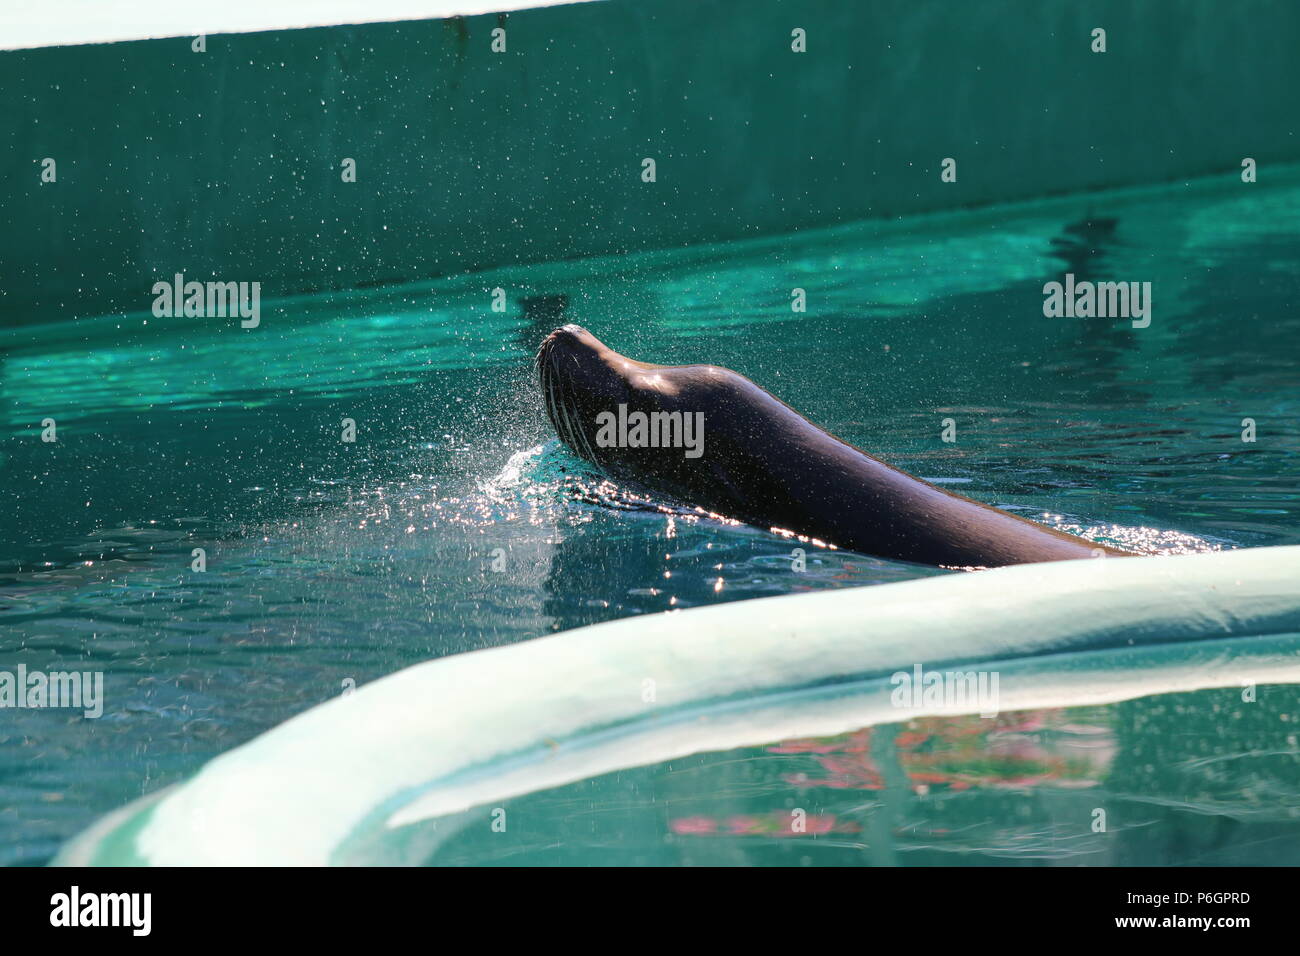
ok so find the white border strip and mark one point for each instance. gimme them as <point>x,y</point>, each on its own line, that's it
<point>72,22</point>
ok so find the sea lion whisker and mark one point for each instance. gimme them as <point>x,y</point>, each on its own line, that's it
<point>565,412</point>
<point>590,453</point>
<point>575,423</point>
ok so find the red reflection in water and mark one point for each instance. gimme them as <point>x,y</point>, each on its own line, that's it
<point>778,823</point>
<point>1009,751</point>
<point>957,753</point>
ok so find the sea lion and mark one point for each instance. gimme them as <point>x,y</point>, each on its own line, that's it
<point>761,462</point>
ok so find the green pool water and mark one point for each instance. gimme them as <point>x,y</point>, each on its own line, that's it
<point>455,522</point>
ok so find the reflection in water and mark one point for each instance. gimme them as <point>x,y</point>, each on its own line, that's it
<point>1086,247</point>
<point>1132,783</point>
<point>958,753</point>
<point>1083,244</point>
<point>543,315</point>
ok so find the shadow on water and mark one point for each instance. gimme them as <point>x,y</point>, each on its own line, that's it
<point>543,314</point>
<point>1082,246</point>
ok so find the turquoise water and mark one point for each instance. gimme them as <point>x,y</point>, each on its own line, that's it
<point>455,522</point>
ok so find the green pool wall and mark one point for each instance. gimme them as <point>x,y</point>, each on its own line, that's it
<point>226,164</point>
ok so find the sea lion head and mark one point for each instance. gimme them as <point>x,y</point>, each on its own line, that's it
<point>581,377</point>
<point>621,414</point>
<point>644,421</point>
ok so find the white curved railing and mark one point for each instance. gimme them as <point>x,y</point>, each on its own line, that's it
<point>450,734</point>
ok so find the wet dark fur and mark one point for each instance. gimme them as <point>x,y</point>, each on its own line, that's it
<point>767,465</point>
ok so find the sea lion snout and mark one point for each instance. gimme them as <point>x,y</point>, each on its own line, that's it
<point>570,330</point>
<point>577,353</point>
<point>567,339</point>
